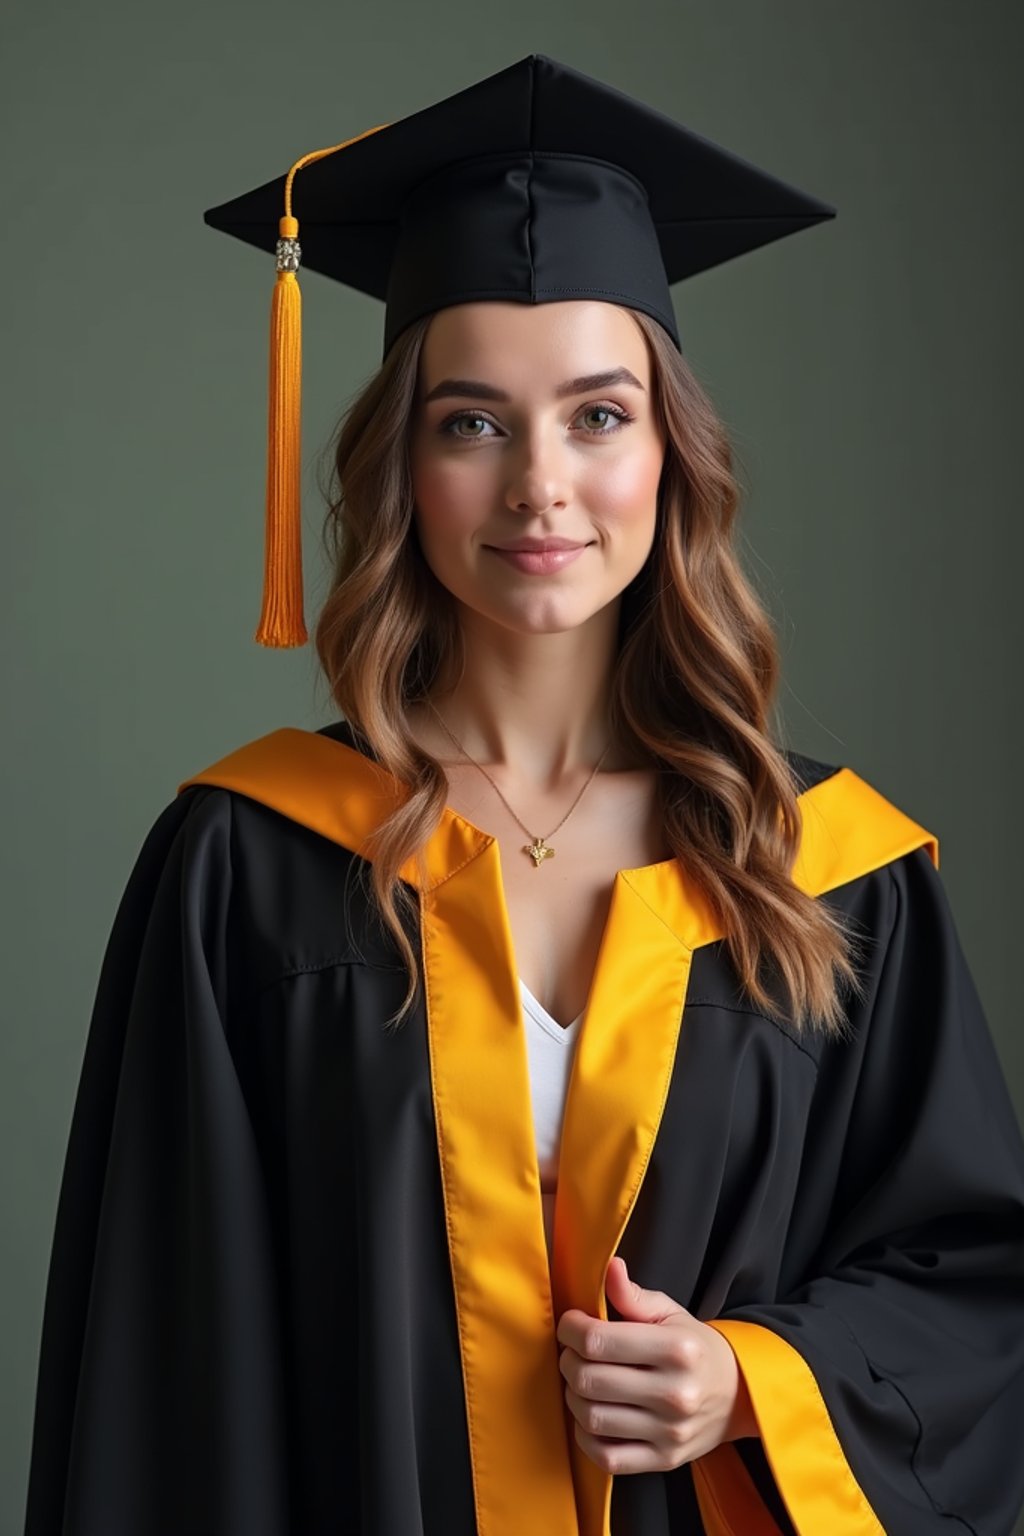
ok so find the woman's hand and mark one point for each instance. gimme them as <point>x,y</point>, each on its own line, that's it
<point>653,1392</point>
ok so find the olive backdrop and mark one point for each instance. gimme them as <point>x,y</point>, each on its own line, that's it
<point>868,370</point>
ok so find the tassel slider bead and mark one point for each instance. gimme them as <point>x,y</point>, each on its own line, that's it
<point>289,254</point>
<point>289,251</point>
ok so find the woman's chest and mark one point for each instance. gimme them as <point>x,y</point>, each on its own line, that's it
<point>557,905</point>
<point>684,1120</point>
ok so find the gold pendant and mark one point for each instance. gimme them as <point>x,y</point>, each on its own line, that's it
<point>538,850</point>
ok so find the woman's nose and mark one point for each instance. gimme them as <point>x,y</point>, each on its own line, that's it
<point>539,475</point>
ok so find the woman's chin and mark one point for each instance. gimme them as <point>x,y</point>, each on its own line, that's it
<point>539,615</point>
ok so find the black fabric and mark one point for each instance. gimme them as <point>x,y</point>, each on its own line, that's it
<point>249,1323</point>
<point>537,183</point>
<point>867,1203</point>
<point>249,1318</point>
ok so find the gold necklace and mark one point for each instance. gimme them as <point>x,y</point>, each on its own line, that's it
<point>539,849</point>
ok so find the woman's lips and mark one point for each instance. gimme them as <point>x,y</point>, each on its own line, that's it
<point>538,562</point>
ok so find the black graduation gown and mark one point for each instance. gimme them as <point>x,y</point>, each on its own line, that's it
<point>299,1284</point>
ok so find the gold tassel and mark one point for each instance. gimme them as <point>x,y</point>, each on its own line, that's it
<point>281,621</point>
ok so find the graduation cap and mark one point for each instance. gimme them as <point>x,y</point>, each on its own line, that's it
<point>534,185</point>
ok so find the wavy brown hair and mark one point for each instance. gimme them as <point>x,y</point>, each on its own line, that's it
<point>695,677</point>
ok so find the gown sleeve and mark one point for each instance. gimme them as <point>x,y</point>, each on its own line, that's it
<point>888,1379</point>
<point>159,1394</point>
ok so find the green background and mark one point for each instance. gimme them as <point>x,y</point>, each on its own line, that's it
<point>867,369</point>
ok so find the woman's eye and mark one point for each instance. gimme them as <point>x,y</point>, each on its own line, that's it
<point>473,417</point>
<point>454,421</point>
<point>607,410</point>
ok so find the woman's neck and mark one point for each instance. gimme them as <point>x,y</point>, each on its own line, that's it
<point>534,705</point>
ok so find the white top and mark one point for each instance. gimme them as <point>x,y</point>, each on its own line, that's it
<point>549,1050</point>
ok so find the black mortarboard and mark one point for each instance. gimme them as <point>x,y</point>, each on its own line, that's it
<point>535,184</point>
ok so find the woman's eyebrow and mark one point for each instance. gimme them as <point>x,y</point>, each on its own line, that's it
<point>475,389</point>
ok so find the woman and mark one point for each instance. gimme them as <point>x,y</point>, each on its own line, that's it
<point>537,1100</point>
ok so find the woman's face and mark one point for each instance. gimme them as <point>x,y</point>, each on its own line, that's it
<point>516,438</point>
